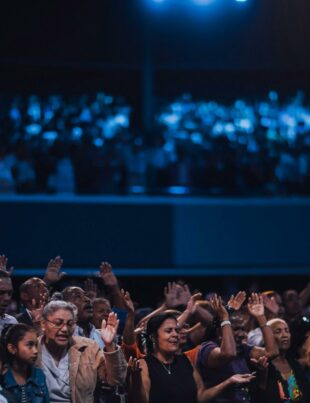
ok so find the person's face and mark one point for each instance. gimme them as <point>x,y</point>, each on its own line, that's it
<point>240,334</point>
<point>84,305</point>
<point>59,327</point>
<point>6,291</point>
<point>292,302</point>
<point>183,333</point>
<point>282,335</point>
<point>101,311</point>
<point>37,291</point>
<point>168,337</point>
<point>27,348</point>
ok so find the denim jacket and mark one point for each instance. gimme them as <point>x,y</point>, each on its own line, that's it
<point>36,389</point>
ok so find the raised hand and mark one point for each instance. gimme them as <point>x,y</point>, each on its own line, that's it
<point>107,276</point>
<point>261,363</point>
<point>133,366</point>
<point>36,308</point>
<point>191,305</point>
<point>216,304</point>
<point>183,294</point>
<point>53,272</point>
<point>128,303</point>
<point>271,304</point>
<point>108,331</point>
<point>90,288</point>
<point>241,378</point>
<point>256,305</point>
<point>4,265</point>
<point>171,297</point>
<point>235,302</point>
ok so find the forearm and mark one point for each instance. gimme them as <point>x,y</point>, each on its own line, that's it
<point>183,318</point>
<point>269,340</point>
<point>203,315</point>
<point>116,366</point>
<point>205,395</point>
<point>116,297</point>
<point>129,329</point>
<point>154,313</point>
<point>228,345</point>
<point>136,393</point>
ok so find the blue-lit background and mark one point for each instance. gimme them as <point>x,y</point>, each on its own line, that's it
<point>117,111</point>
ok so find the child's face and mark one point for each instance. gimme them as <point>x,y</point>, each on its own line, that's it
<point>27,348</point>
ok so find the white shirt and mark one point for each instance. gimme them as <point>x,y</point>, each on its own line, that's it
<point>6,320</point>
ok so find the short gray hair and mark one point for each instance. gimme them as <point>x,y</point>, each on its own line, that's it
<point>54,306</point>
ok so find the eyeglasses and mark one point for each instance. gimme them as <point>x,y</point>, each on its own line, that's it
<point>58,324</point>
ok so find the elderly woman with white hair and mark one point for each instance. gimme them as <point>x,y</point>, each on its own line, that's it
<point>74,366</point>
<point>285,382</point>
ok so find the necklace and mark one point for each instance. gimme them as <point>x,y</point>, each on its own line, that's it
<point>167,367</point>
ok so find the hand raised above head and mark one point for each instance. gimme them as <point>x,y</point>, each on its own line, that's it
<point>106,274</point>
<point>218,307</point>
<point>53,272</point>
<point>108,330</point>
<point>235,302</point>
<point>256,305</point>
<point>4,265</point>
<point>128,303</point>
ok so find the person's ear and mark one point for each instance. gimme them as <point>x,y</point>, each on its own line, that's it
<point>11,348</point>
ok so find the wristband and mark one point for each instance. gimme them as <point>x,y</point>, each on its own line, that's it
<point>225,322</point>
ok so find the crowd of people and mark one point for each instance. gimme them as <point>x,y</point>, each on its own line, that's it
<point>87,145</point>
<point>96,343</point>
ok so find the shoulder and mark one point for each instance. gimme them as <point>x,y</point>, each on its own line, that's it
<point>9,319</point>
<point>207,347</point>
<point>38,376</point>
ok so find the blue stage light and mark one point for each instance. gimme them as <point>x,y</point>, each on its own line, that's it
<point>241,1</point>
<point>202,2</point>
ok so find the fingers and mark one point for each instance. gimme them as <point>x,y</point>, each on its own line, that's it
<point>105,267</point>
<point>57,262</point>
<point>134,364</point>
<point>112,320</point>
<point>196,296</point>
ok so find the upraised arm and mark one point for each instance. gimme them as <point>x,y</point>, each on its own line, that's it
<point>4,265</point>
<point>110,281</point>
<point>257,310</point>
<point>219,356</point>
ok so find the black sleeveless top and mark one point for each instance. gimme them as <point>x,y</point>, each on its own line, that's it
<point>177,387</point>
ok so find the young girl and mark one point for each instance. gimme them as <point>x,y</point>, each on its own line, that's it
<point>23,380</point>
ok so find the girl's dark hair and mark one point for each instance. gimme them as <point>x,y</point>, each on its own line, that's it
<point>13,334</point>
<point>153,325</point>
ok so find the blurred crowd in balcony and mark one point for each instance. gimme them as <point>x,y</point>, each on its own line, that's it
<point>86,144</point>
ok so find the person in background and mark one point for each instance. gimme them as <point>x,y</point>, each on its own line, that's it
<point>6,291</point>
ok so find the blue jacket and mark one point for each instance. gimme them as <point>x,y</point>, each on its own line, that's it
<point>36,389</point>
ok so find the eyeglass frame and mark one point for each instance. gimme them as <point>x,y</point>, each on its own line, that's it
<point>62,324</point>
